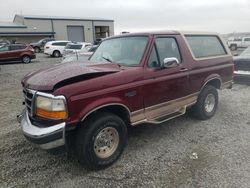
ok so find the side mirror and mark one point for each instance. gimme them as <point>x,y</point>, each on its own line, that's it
<point>170,62</point>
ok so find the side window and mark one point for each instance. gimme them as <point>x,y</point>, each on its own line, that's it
<point>247,39</point>
<point>13,48</point>
<point>18,47</point>
<point>60,44</point>
<point>205,45</point>
<point>153,59</point>
<point>64,43</point>
<point>22,47</point>
<point>167,47</point>
<point>56,44</point>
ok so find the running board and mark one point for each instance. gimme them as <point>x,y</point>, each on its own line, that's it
<point>167,117</point>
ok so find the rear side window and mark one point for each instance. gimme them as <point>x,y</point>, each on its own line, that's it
<point>247,39</point>
<point>74,46</point>
<point>59,44</point>
<point>17,47</point>
<point>205,46</point>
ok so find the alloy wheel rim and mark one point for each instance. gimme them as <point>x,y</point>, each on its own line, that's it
<point>106,142</point>
<point>209,103</point>
<point>26,59</point>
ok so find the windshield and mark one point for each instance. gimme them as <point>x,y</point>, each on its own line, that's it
<point>246,53</point>
<point>127,51</point>
<point>40,41</point>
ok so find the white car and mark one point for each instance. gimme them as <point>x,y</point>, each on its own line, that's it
<point>55,48</point>
<point>76,48</point>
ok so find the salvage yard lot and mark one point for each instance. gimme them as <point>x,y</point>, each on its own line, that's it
<point>156,156</point>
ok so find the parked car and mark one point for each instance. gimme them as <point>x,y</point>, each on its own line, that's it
<point>242,66</point>
<point>75,48</point>
<point>132,79</point>
<point>75,57</point>
<point>239,43</point>
<point>39,46</point>
<point>55,48</point>
<point>17,52</point>
<point>82,56</point>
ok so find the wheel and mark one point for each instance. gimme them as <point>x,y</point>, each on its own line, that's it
<point>26,59</point>
<point>56,53</point>
<point>207,103</point>
<point>37,49</point>
<point>101,140</point>
<point>233,47</point>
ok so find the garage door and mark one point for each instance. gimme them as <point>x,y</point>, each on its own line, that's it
<point>76,33</point>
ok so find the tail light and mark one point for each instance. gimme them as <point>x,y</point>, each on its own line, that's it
<point>47,47</point>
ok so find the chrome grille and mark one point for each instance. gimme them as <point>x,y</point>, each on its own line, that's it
<point>28,99</point>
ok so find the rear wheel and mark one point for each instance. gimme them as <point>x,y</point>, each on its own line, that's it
<point>26,59</point>
<point>207,103</point>
<point>37,49</point>
<point>101,140</point>
<point>56,53</point>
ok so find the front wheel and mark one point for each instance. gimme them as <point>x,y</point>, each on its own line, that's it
<point>207,103</point>
<point>101,140</point>
<point>26,59</point>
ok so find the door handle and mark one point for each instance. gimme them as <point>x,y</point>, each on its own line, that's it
<point>183,69</point>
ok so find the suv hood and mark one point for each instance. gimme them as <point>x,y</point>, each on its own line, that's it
<point>65,73</point>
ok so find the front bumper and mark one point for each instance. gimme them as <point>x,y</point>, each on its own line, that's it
<point>242,73</point>
<point>45,137</point>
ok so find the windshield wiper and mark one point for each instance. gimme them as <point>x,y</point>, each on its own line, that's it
<point>107,59</point>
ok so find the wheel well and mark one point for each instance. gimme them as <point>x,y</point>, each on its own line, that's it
<point>25,55</point>
<point>56,51</point>
<point>215,82</point>
<point>118,110</point>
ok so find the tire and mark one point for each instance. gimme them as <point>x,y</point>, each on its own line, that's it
<point>56,53</point>
<point>101,140</point>
<point>233,47</point>
<point>26,59</point>
<point>206,104</point>
<point>37,49</point>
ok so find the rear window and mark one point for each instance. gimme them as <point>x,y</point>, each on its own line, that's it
<point>205,46</point>
<point>74,46</point>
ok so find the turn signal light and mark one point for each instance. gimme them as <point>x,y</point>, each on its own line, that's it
<point>50,114</point>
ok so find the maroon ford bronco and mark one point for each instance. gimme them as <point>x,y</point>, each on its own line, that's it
<point>129,80</point>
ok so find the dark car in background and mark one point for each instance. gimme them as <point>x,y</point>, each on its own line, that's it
<point>39,46</point>
<point>242,66</point>
<point>17,52</point>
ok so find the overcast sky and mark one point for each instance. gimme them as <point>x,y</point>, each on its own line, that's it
<point>222,16</point>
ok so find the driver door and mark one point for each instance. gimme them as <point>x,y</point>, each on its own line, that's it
<point>167,89</point>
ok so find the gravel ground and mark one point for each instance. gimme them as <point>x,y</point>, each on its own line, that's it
<point>183,152</point>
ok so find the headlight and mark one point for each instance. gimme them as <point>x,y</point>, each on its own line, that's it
<point>51,108</point>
